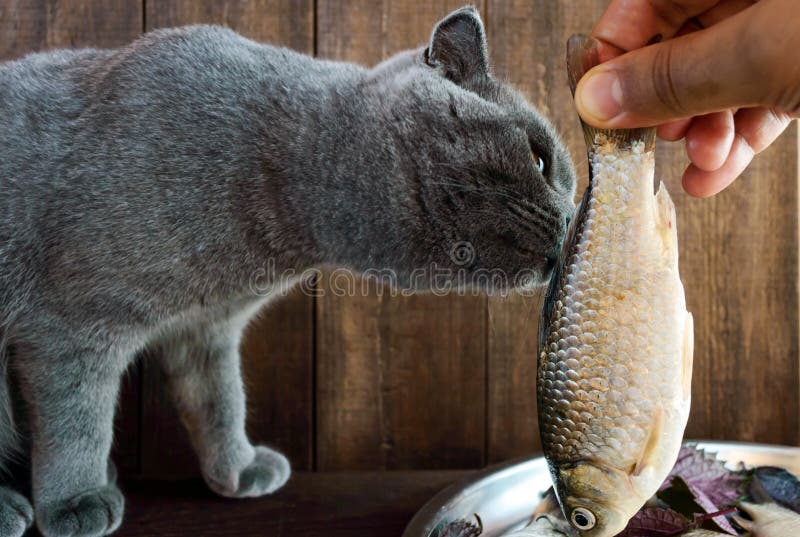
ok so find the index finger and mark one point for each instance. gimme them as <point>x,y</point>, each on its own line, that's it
<point>631,24</point>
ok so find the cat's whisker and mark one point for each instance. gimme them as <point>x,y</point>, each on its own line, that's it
<point>531,209</point>
<point>486,192</point>
<point>529,218</point>
<point>455,185</point>
<point>525,216</point>
<point>537,231</point>
<point>497,192</point>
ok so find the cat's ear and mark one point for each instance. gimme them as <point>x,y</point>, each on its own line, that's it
<point>458,46</point>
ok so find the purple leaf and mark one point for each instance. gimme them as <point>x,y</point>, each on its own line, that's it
<point>709,507</point>
<point>705,474</point>
<point>655,522</point>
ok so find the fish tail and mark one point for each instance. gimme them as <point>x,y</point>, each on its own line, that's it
<point>583,55</point>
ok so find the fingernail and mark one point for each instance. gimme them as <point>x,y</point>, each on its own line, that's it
<point>601,96</point>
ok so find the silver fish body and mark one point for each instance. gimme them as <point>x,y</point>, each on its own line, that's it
<point>614,372</point>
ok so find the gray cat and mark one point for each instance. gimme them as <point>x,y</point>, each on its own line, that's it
<point>141,188</point>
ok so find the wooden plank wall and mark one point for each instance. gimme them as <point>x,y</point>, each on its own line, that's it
<point>379,382</point>
<point>403,376</point>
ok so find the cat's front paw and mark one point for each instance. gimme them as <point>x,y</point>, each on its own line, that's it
<point>268,472</point>
<point>90,514</point>
<point>16,513</point>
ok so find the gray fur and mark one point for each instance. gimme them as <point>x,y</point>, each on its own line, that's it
<point>141,188</point>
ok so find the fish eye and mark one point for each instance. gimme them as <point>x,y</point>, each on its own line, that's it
<point>582,519</point>
<point>538,161</point>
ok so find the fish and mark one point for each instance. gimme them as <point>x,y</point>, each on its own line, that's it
<point>616,342</point>
<point>546,526</point>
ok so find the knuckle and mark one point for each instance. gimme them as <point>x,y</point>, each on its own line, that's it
<point>760,136</point>
<point>663,74</point>
<point>673,12</point>
<point>786,95</point>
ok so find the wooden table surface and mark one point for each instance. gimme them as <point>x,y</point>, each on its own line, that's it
<point>376,504</point>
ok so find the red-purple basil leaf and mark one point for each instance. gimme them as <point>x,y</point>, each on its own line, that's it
<point>655,522</point>
<point>709,507</point>
<point>704,473</point>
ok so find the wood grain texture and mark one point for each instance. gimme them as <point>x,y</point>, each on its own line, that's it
<point>367,31</point>
<point>165,449</point>
<point>277,351</point>
<point>739,265</point>
<point>513,425</point>
<point>311,505</point>
<point>33,25</point>
<point>527,44</point>
<point>288,23</point>
<point>278,354</point>
<point>126,452</point>
<point>400,380</point>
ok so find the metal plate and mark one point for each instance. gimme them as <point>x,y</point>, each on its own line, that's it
<point>504,496</point>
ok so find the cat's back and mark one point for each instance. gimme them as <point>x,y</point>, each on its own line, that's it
<point>50,101</point>
<point>40,96</point>
<point>69,117</point>
<point>44,82</point>
<point>90,138</point>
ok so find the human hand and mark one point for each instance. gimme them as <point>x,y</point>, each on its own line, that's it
<point>726,77</point>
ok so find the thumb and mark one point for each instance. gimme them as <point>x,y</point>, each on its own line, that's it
<point>706,71</point>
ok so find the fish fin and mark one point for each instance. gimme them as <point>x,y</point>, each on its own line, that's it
<point>666,222</point>
<point>582,55</point>
<point>551,295</point>
<point>688,355</point>
<point>650,449</point>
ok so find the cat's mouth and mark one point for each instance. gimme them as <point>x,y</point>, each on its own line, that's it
<point>527,252</point>
<point>549,265</point>
<point>547,262</point>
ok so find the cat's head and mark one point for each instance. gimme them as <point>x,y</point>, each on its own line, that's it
<point>491,185</point>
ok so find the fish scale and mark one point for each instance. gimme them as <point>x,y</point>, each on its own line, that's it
<point>615,338</point>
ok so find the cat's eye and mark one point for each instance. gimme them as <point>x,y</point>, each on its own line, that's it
<point>538,161</point>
